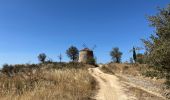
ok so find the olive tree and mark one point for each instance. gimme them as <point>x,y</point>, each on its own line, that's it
<point>116,55</point>
<point>73,53</point>
<point>42,57</point>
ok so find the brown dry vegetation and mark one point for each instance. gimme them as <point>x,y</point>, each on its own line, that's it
<point>140,80</point>
<point>132,69</point>
<point>48,83</point>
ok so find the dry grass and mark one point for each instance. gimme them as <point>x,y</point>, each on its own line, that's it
<point>129,69</point>
<point>136,74</point>
<point>48,84</point>
<point>141,94</point>
<point>107,70</point>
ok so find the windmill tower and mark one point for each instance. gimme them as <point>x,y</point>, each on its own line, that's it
<point>86,54</point>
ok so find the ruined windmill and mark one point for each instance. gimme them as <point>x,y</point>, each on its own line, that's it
<point>86,54</point>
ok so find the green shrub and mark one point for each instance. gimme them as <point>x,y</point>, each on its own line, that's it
<point>73,53</point>
<point>158,46</point>
<point>91,61</point>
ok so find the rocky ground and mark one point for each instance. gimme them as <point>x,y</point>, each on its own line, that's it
<point>135,84</point>
<point>142,88</point>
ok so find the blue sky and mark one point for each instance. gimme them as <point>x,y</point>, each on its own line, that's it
<point>30,27</point>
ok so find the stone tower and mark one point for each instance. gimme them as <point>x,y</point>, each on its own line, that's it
<point>85,55</point>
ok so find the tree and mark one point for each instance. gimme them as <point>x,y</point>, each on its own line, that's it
<point>158,45</point>
<point>73,53</point>
<point>116,55</point>
<point>42,57</point>
<point>134,54</point>
<point>60,57</point>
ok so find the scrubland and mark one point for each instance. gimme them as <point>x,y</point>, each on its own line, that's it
<point>47,82</point>
<point>140,80</point>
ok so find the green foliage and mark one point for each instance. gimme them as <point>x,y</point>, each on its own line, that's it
<point>73,53</point>
<point>91,61</point>
<point>134,54</point>
<point>42,57</point>
<point>158,46</point>
<point>116,55</point>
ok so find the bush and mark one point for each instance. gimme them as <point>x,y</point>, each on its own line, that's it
<point>158,46</point>
<point>8,69</point>
<point>48,83</point>
<point>91,61</point>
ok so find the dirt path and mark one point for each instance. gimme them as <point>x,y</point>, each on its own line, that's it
<point>109,86</point>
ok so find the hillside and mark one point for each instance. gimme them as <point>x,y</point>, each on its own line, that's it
<point>133,79</point>
<point>47,82</point>
<point>77,81</point>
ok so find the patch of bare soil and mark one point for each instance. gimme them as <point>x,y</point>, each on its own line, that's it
<point>139,92</point>
<point>109,86</point>
<point>141,88</point>
<point>113,87</point>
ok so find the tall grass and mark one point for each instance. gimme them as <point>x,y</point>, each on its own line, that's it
<point>48,84</point>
